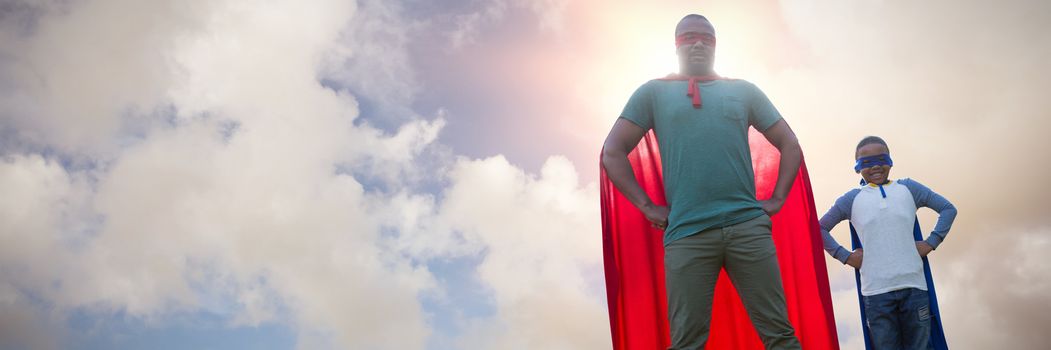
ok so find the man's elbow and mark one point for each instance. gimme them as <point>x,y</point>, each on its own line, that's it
<point>790,144</point>
<point>611,153</point>
<point>607,156</point>
<point>796,147</point>
<point>782,137</point>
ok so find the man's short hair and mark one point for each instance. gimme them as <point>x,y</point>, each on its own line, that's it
<point>693,16</point>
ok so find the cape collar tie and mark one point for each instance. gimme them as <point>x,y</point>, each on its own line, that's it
<point>693,90</point>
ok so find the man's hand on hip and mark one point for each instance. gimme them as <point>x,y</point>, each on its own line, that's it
<point>772,206</point>
<point>657,214</point>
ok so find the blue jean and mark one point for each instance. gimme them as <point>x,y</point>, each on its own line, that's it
<point>899,319</point>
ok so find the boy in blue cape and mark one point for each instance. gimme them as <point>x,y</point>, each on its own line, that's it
<point>894,281</point>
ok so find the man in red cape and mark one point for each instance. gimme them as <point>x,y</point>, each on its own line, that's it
<point>705,192</point>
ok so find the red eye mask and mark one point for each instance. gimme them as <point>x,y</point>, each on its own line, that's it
<point>693,38</point>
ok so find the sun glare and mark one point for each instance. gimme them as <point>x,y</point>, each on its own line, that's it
<point>657,53</point>
<point>646,51</point>
<point>660,62</point>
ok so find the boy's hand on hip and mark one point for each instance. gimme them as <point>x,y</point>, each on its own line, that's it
<point>657,215</point>
<point>855,258</point>
<point>923,248</point>
<point>772,206</point>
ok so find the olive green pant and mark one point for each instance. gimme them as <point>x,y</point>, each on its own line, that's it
<point>692,265</point>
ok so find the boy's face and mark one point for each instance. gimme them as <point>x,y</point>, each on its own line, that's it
<point>875,174</point>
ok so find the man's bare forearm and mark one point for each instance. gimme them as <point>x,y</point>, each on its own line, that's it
<point>619,171</point>
<point>791,157</point>
<point>784,139</point>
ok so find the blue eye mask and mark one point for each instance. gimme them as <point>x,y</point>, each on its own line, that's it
<point>871,161</point>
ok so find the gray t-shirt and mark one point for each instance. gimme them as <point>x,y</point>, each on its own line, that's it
<point>706,161</point>
<point>884,220</point>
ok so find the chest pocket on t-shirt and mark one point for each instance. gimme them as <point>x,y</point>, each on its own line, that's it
<point>734,108</point>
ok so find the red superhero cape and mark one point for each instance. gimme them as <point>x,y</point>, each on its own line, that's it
<point>634,262</point>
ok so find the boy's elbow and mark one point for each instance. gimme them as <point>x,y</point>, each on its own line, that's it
<point>946,208</point>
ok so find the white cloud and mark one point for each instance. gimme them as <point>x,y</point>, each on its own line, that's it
<point>468,26</point>
<point>996,291</point>
<point>160,156</point>
<point>372,60</point>
<point>848,318</point>
<point>42,219</point>
<point>189,212</point>
<point>22,327</point>
<point>213,172</point>
<point>93,63</point>
<point>543,254</point>
<point>986,299</point>
<point>950,85</point>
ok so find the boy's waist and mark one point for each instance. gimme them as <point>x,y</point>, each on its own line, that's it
<point>891,269</point>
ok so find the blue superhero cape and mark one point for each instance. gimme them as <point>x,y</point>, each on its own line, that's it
<point>937,333</point>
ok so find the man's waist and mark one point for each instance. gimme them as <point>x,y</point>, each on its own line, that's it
<point>713,218</point>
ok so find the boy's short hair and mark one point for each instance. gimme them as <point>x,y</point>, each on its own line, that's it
<point>868,140</point>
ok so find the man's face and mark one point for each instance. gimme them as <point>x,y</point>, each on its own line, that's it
<point>697,38</point>
<point>877,174</point>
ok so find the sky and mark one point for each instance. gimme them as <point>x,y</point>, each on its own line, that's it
<point>422,174</point>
